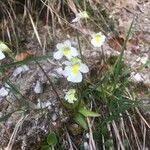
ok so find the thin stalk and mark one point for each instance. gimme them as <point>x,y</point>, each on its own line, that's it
<point>80,50</point>
<point>79,94</point>
<point>51,83</point>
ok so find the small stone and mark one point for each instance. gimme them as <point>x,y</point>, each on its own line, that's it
<point>46,105</point>
<point>3,92</point>
<point>144,59</point>
<point>38,88</point>
<point>60,112</point>
<point>42,105</point>
<point>87,135</point>
<point>137,77</point>
<point>86,146</point>
<point>54,117</point>
<point>19,70</point>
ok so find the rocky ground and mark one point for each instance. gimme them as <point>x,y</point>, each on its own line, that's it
<point>35,88</point>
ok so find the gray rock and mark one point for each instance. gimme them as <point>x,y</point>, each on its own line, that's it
<point>19,70</point>
<point>54,117</point>
<point>38,87</point>
<point>3,92</point>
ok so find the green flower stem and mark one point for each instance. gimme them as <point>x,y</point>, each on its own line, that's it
<point>11,56</point>
<point>80,50</point>
<point>79,96</point>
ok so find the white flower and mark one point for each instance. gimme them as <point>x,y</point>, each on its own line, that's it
<point>65,49</point>
<point>98,39</point>
<point>3,48</point>
<point>74,69</point>
<point>81,15</point>
<point>70,96</point>
<point>2,56</point>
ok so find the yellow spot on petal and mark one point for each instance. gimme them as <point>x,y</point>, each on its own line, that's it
<point>66,51</point>
<point>98,38</point>
<point>75,69</point>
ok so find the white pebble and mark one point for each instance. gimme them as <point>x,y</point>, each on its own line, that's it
<point>19,70</point>
<point>3,92</point>
<point>54,117</point>
<point>38,88</point>
<point>137,77</point>
<point>87,135</point>
<point>144,59</point>
<point>86,146</point>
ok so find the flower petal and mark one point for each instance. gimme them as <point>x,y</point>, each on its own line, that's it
<point>68,43</point>
<point>67,71</point>
<point>74,52</point>
<point>2,56</point>
<point>76,19</point>
<point>4,48</point>
<point>75,79</point>
<point>59,46</point>
<point>98,39</point>
<point>58,55</point>
<point>84,68</point>
<point>67,63</point>
<point>60,71</point>
<point>95,44</point>
<point>69,56</point>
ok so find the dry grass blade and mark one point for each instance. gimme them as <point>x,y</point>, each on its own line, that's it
<point>35,30</point>
<point>69,139</point>
<point>92,145</point>
<point>144,136</point>
<point>103,141</point>
<point>72,6</point>
<point>124,132</point>
<point>111,135</point>
<point>142,118</point>
<point>10,19</point>
<point>139,146</point>
<point>14,134</point>
<point>117,135</point>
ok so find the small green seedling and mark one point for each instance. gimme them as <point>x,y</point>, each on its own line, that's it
<point>51,141</point>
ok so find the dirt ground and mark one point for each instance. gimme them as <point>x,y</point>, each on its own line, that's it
<point>34,127</point>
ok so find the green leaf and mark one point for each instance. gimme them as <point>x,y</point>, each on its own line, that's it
<point>117,65</point>
<point>52,139</point>
<point>109,143</point>
<point>46,147</point>
<point>27,61</point>
<point>88,113</point>
<point>80,119</point>
<point>6,117</point>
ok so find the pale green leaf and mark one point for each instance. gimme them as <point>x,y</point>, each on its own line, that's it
<point>81,120</point>
<point>88,113</point>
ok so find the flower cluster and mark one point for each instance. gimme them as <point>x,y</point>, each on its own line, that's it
<point>3,49</point>
<point>70,96</point>
<point>73,66</point>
